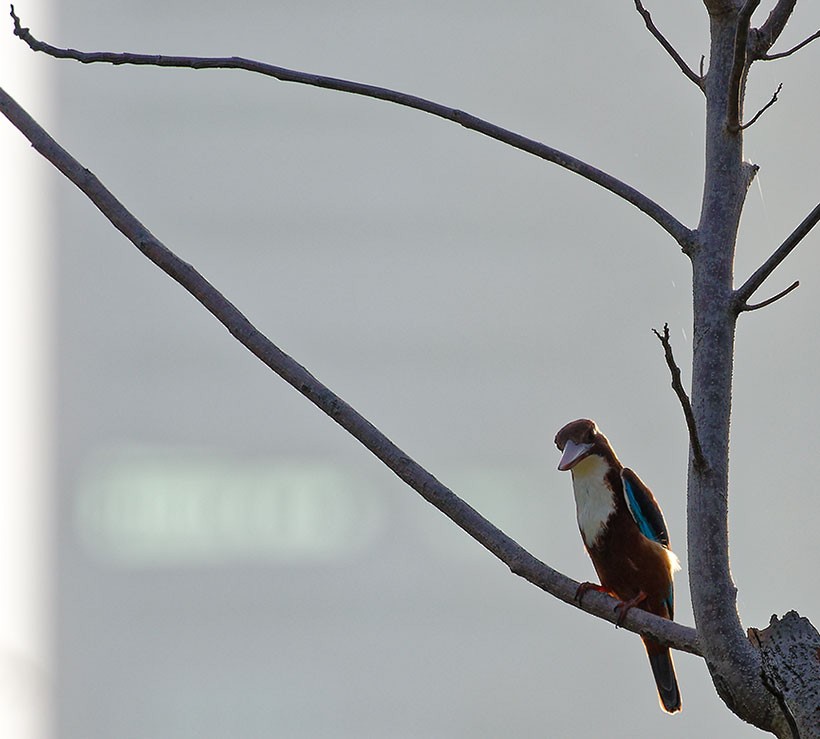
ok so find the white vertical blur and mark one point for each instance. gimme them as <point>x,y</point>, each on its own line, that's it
<point>24,399</point>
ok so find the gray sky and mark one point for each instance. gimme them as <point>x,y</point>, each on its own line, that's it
<point>468,298</point>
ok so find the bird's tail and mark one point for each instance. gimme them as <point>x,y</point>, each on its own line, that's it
<point>660,659</point>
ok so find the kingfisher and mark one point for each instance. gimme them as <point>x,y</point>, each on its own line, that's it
<point>625,535</point>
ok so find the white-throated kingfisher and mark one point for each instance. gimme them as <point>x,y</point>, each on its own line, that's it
<point>626,537</point>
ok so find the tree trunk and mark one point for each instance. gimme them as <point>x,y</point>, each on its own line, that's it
<point>733,662</point>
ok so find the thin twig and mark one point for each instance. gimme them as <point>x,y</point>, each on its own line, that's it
<point>677,58</point>
<point>805,42</point>
<point>744,18</point>
<point>682,235</point>
<point>745,291</point>
<point>769,32</point>
<point>764,108</point>
<point>519,561</point>
<point>782,294</point>
<point>686,404</point>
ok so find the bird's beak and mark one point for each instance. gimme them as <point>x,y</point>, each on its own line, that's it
<point>573,453</point>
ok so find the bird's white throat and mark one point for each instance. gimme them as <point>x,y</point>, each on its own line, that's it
<point>594,502</point>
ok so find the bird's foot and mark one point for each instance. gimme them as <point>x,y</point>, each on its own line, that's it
<point>585,587</point>
<point>625,606</point>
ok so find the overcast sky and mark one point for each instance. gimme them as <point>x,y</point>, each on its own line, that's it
<point>468,298</point>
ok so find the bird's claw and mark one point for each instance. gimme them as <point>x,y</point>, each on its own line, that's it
<point>585,587</point>
<point>625,606</point>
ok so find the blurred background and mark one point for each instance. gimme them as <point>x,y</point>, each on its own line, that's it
<point>190,549</point>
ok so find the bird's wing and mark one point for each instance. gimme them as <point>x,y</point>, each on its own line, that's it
<point>644,508</point>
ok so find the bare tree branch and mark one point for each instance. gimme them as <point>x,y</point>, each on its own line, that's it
<point>774,298</point>
<point>681,234</point>
<point>764,108</point>
<point>686,405</point>
<point>745,291</point>
<point>805,42</point>
<point>677,58</point>
<point>764,37</point>
<point>519,561</point>
<point>744,18</point>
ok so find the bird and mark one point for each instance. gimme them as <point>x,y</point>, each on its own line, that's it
<point>625,535</point>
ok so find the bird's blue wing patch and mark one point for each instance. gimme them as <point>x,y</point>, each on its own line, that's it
<point>644,508</point>
<point>648,515</point>
<point>670,602</point>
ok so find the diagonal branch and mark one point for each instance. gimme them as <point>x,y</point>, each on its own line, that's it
<point>764,108</point>
<point>683,236</point>
<point>735,103</point>
<point>519,561</point>
<point>804,42</point>
<point>745,291</point>
<point>765,36</point>
<point>683,398</point>
<point>677,58</point>
<point>773,299</point>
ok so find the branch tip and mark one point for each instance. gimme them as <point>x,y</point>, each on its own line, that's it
<point>18,30</point>
<point>764,108</point>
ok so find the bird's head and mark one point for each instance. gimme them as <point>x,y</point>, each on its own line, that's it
<point>580,439</point>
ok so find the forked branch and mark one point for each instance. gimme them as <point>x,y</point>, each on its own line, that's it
<point>519,561</point>
<point>765,37</point>
<point>682,235</point>
<point>745,291</point>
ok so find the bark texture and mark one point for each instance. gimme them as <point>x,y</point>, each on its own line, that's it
<point>790,656</point>
<point>733,661</point>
